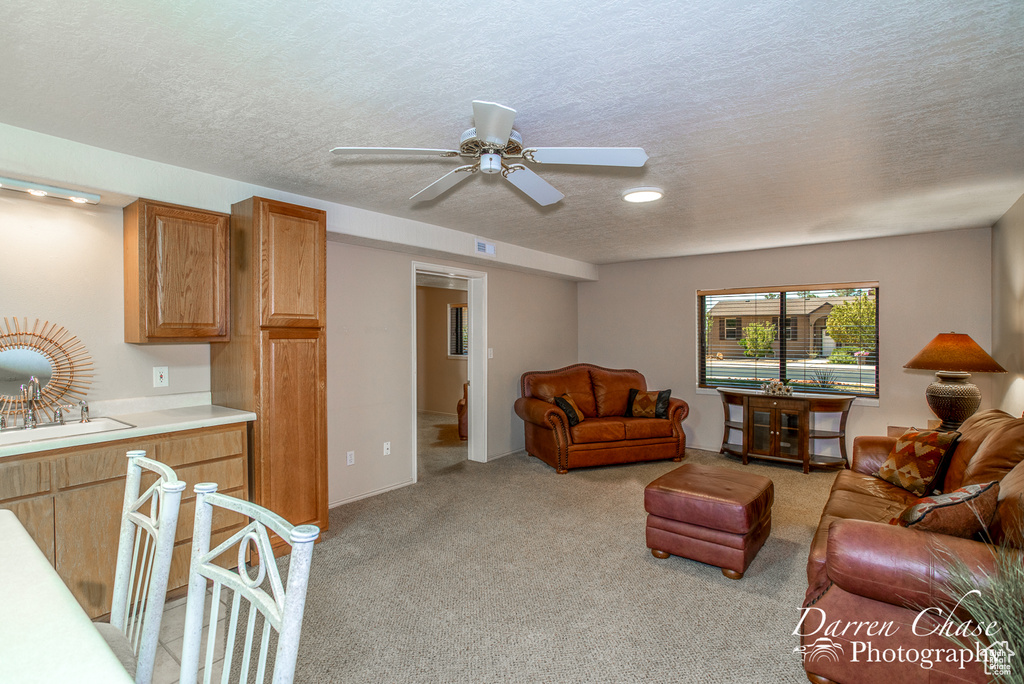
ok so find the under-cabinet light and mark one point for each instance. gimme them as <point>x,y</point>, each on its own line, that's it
<point>41,190</point>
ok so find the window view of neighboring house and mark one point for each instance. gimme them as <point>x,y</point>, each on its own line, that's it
<point>458,330</point>
<point>824,340</point>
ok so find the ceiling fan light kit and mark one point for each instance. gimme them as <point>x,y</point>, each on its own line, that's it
<point>496,148</point>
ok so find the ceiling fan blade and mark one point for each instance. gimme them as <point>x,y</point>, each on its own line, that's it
<point>493,122</point>
<point>445,182</point>
<point>590,156</point>
<point>535,187</point>
<point>416,151</point>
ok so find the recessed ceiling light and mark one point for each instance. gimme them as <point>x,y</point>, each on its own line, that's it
<point>37,192</point>
<point>637,195</point>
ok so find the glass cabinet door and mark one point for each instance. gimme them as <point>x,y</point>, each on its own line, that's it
<point>789,434</point>
<point>760,431</point>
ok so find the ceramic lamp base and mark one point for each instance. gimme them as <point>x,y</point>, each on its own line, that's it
<point>952,398</point>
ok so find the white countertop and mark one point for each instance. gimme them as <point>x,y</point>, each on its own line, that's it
<point>45,636</point>
<point>143,425</point>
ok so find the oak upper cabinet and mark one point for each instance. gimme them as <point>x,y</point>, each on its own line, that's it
<point>293,251</point>
<point>176,274</point>
<point>275,363</point>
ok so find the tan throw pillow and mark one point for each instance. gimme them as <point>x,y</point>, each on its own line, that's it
<point>963,513</point>
<point>572,412</point>
<point>648,404</point>
<point>917,459</point>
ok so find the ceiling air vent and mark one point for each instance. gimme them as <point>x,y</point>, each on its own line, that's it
<point>484,248</point>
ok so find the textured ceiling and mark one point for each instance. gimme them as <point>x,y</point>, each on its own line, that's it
<point>767,123</point>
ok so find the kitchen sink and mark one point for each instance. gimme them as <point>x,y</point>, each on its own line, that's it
<point>12,436</point>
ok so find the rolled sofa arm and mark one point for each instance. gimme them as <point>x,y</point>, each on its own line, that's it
<point>901,566</point>
<point>677,411</point>
<point>869,453</point>
<point>540,412</point>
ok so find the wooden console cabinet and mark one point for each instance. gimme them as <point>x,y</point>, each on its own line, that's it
<point>176,264</point>
<point>780,428</point>
<point>275,364</point>
<point>70,501</point>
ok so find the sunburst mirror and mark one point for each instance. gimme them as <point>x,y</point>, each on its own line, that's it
<point>51,354</point>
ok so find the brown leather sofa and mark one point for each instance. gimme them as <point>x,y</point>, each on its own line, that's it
<point>863,570</point>
<point>606,435</point>
<point>462,410</point>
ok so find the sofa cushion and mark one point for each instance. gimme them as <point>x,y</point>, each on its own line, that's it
<point>647,428</point>
<point>854,496</point>
<point>571,410</point>
<point>1000,453</point>
<point>917,458</point>
<point>574,381</point>
<point>611,389</point>
<point>961,513</point>
<point>598,430</point>
<point>972,433</point>
<point>1007,526</point>
<point>648,404</point>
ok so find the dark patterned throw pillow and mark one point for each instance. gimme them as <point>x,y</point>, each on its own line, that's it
<point>960,513</point>
<point>648,404</point>
<point>572,412</point>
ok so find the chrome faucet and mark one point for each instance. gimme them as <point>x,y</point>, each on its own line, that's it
<point>58,413</point>
<point>83,407</point>
<point>31,394</point>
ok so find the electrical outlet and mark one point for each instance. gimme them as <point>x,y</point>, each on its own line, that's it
<point>387,448</point>
<point>160,378</point>
<point>351,458</point>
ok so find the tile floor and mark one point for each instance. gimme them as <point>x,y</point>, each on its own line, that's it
<point>172,630</point>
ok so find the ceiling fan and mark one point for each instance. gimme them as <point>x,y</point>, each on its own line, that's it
<point>496,148</point>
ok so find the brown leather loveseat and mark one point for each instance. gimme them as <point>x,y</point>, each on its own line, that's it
<point>606,434</point>
<point>864,571</point>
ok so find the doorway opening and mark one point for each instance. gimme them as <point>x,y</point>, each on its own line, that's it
<point>449,383</point>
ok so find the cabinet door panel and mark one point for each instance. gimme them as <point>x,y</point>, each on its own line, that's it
<point>789,434</point>
<point>176,273</point>
<point>760,430</point>
<point>293,253</point>
<point>290,472</point>
<point>36,516</point>
<point>188,261</point>
<point>24,479</point>
<point>86,523</point>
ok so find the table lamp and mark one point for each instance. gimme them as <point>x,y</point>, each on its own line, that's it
<point>953,357</point>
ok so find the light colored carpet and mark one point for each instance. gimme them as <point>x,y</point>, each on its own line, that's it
<point>507,572</point>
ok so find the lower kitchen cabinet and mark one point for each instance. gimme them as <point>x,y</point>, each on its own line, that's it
<point>70,502</point>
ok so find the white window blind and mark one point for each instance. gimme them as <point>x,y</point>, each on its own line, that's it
<point>828,343</point>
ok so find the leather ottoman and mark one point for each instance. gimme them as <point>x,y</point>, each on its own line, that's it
<point>717,516</point>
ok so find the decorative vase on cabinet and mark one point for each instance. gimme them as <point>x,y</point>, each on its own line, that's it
<point>275,364</point>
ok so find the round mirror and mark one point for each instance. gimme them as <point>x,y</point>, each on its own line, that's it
<point>50,353</point>
<point>18,365</point>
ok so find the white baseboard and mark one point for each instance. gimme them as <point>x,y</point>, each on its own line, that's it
<point>366,495</point>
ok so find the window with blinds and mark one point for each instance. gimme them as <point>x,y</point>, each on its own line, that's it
<point>458,330</point>
<point>816,340</point>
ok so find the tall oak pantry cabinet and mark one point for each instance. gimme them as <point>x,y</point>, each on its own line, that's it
<point>275,363</point>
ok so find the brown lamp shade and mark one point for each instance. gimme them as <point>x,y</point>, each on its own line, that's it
<point>954,352</point>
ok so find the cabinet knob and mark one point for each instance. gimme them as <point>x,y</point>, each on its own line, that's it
<point>775,403</point>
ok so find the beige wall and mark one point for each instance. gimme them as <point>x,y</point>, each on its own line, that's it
<point>439,378</point>
<point>643,314</point>
<point>532,323</point>
<point>1008,309</point>
<point>64,263</point>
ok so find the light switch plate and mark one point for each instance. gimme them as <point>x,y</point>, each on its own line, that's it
<point>160,377</point>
